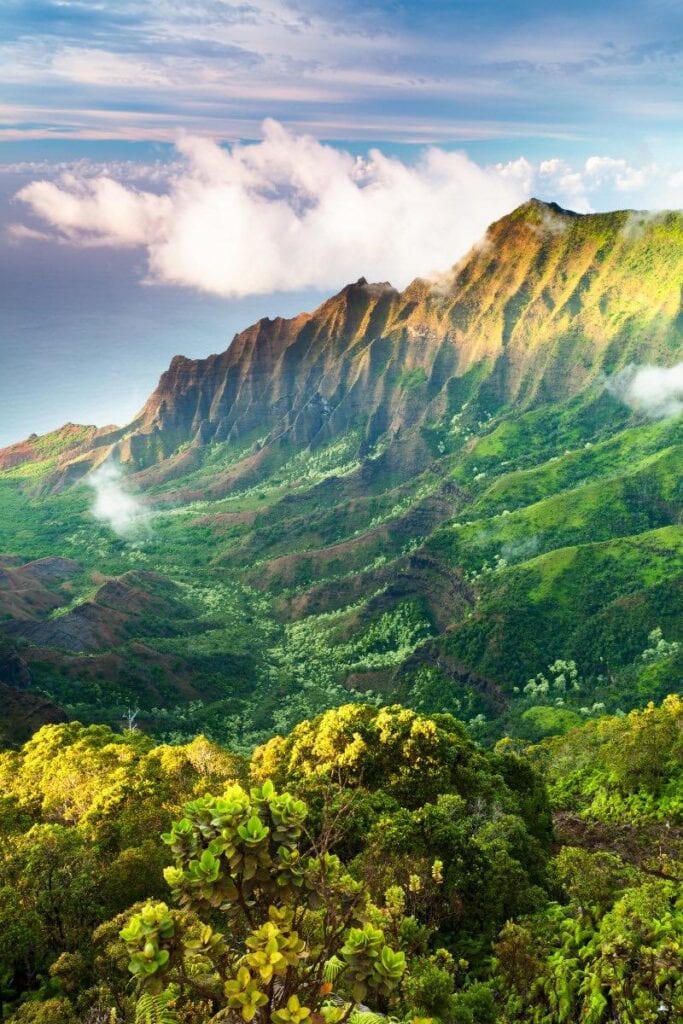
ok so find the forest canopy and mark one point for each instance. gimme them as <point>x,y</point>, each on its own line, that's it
<point>372,863</point>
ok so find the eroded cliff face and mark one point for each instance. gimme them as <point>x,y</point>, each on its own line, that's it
<point>435,484</point>
<point>545,304</point>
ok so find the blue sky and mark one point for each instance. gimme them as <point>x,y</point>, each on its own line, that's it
<point>382,138</point>
<point>498,77</point>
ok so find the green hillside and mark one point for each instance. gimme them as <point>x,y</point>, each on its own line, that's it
<point>440,494</point>
<point>325,580</point>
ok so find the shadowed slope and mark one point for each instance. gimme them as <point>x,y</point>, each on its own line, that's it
<point>547,302</point>
<point>429,494</point>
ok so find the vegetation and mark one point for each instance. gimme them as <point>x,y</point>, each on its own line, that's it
<point>369,713</point>
<point>397,870</point>
<point>279,600</point>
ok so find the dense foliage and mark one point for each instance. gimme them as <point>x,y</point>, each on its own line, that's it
<point>338,575</point>
<point>372,863</point>
<point>337,720</point>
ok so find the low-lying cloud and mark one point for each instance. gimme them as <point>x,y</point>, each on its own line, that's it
<point>114,504</point>
<point>287,213</point>
<point>655,391</point>
<point>290,213</point>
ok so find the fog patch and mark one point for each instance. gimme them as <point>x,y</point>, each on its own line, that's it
<point>114,504</point>
<point>654,391</point>
<point>520,550</point>
<point>553,223</point>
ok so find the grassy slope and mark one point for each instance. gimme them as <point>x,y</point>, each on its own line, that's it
<point>546,524</point>
<point>565,523</point>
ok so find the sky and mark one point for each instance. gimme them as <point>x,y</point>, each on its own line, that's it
<point>171,171</point>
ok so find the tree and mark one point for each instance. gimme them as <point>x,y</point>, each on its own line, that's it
<point>296,924</point>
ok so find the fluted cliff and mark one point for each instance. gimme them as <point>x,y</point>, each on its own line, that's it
<point>547,303</point>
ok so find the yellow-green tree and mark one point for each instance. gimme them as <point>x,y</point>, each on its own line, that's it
<point>294,924</point>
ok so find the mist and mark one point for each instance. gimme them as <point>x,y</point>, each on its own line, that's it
<point>114,504</point>
<point>655,391</point>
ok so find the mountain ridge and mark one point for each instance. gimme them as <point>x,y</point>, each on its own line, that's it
<point>429,495</point>
<point>547,301</point>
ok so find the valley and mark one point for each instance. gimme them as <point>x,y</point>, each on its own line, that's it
<point>434,496</point>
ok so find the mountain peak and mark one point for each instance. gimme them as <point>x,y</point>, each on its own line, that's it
<point>367,287</point>
<point>535,206</point>
<point>535,212</point>
<point>532,315</point>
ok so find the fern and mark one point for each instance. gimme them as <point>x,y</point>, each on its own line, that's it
<point>154,1009</point>
<point>367,1017</point>
<point>332,970</point>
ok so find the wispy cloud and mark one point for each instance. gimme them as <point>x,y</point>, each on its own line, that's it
<point>655,391</point>
<point>114,504</point>
<point>23,233</point>
<point>340,65</point>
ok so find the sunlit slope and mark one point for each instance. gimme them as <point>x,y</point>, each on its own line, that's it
<point>437,494</point>
<point>547,303</point>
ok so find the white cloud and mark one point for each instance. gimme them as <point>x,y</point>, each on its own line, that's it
<point>606,182</point>
<point>567,184</point>
<point>288,213</point>
<point>114,504</point>
<point>100,67</point>
<point>656,391</point>
<point>618,173</point>
<point>97,211</point>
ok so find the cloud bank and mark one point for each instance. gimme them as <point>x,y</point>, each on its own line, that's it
<point>113,504</point>
<point>290,213</point>
<point>655,391</point>
<point>287,213</point>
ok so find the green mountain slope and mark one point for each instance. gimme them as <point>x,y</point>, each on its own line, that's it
<point>429,495</point>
